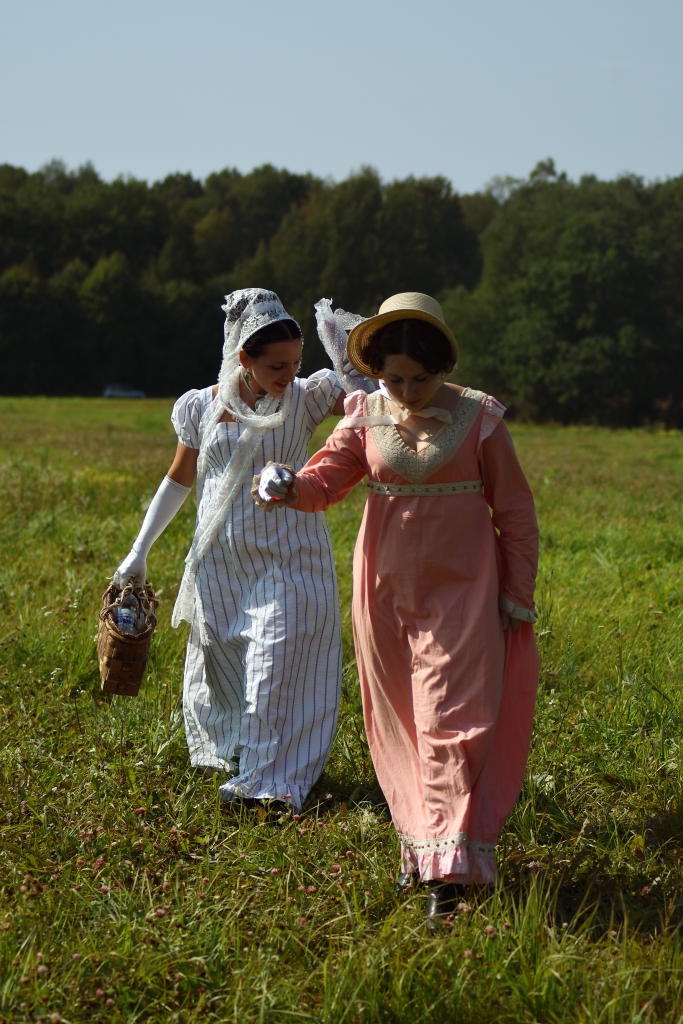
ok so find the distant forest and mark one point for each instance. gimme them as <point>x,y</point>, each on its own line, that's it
<point>566,297</point>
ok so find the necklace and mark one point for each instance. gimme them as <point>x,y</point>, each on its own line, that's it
<point>257,398</point>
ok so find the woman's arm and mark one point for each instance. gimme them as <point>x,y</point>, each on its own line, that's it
<point>169,498</point>
<point>512,504</point>
<point>325,480</point>
<point>184,466</point>
<point>339,406</point>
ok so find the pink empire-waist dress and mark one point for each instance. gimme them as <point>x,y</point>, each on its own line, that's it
<point>448,696</point>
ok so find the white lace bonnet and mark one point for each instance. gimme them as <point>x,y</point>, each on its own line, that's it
<point>256,308</point>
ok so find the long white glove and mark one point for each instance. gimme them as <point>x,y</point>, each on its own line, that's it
<point>274,483</point>
<point>162,508</point>
<point>332,327</point>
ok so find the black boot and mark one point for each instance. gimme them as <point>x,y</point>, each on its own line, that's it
<point>406,880</point>
<point>442,897</point>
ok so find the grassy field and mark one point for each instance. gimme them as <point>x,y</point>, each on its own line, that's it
<point>129,894</point>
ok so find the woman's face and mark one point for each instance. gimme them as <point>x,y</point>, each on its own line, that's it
<point>275,369</point>
<point>408,382</point>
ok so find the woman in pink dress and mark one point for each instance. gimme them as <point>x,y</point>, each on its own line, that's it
<point>443,610</point>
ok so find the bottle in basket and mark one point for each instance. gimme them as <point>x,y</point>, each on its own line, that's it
<point>127,622</point>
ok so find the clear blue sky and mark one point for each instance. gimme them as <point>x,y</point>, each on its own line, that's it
<point>468,90</point>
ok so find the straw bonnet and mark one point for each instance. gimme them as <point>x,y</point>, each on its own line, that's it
<point>404,306</point>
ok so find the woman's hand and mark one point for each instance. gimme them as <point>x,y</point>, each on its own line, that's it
<point>509,621</point>
<point>134,564</point>
<point>275,485</point>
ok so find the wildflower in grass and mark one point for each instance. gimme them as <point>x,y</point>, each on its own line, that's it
<point>160,912</point>
<point>166,885</point>
<point>491,931</point>
<point>464,908</point>
<point>467,953</point>
<point>507,926</point>
<point>75,956</point>
<point>97,864</point>
<point>39,956</point>
<point>250,933</point>
<point>110,1002</point>
<point>54,1018</point>
<point>205,881</point>
<point>99,992</point>
<point>613,935</point>
<point>139,810</point>
<point>301,921</point>
<point>336,867</point>
<point>301,888</point>
<point>275,871</point>
<point>104,889</point>
<point>296,817</point>
<point>350,853</point>
<point>311,888</point>
<point>533,865</point>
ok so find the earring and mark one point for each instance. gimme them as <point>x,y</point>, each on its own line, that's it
<point>247,376</point>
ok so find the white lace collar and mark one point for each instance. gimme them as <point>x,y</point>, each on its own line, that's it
<point>416,467</point>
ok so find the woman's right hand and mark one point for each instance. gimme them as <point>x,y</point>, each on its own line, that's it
<point>133,564</point>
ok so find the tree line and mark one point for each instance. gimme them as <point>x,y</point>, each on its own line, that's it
<point>565,296</point>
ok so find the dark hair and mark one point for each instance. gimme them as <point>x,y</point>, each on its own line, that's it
<point>420,340</point>
<point>281,330</point>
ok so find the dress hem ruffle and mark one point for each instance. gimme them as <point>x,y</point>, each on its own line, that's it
<point>460,864</point>
<point>236,789</point>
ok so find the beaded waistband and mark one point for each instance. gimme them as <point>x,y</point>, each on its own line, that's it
<point>425,490</point>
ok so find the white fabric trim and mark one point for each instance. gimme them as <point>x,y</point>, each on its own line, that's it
<point>425,490</point>
<point>516,611</point>
<point>434,845</point>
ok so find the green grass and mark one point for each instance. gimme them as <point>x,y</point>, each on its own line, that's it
<point>187,912</point>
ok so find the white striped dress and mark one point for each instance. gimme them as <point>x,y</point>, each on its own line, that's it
<point>262,698</point>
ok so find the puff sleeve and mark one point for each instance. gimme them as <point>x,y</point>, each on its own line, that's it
<point>322,391</point>
<point>185,418</point>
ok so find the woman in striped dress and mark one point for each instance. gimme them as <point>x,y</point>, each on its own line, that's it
<point>263,666</point>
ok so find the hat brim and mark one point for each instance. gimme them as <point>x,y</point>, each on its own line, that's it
<point>363,332</point>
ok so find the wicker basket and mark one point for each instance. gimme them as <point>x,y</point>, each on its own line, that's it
<point>123,656</point>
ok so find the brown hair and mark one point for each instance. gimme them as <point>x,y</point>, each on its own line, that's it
<point>281,330</point>
<point>415,338</point>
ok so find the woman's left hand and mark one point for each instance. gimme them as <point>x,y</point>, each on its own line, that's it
<point>509,621</point>
<point>275,485</point>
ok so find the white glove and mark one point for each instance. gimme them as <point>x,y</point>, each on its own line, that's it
<point>163,506</point>
<point>355,376</point>
<point>134,564</point>
<point>275,483</point>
